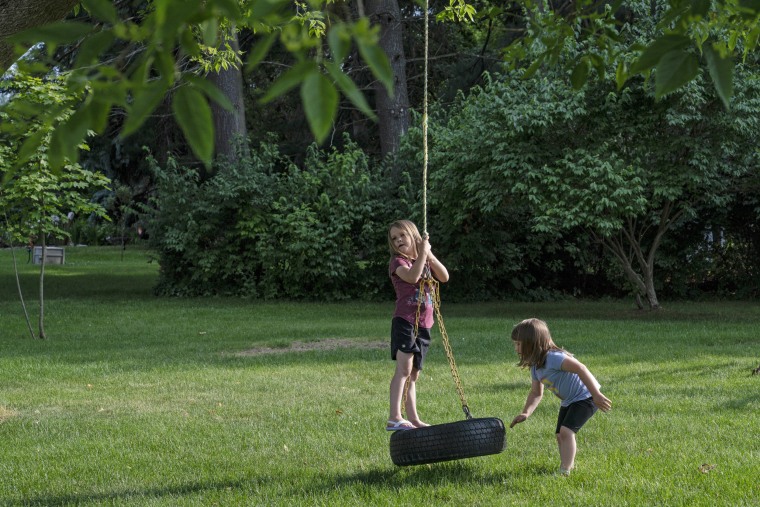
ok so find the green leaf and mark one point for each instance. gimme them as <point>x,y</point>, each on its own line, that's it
<point>189,44</point>
<point>54,33</point>
<point>170,16</point>
<point>700,7</point>
<point>675,70</point>
<point>99,110</point>
<point>339,39</point>
<point>209,29</point>
<point>621,75</point>
<point>750,40</point>
<point>579,74</point>
<point>379,65</point>
<point>144,102</point>
<point>751,7</point>
<point>66,138</point>
<point>659,48</point>
<point>599,64</point>
<point>30,147</point>
<point>259,51</point>
<point>92,47</point>
<point>230,8</point>
<point>320,101</point>
<point>194,117</point>
<point>113,92</point>
<point>59,150</point>
<point>263,8</point>
<point>721,72</point>
<point>732,40</point>
<point>349,89</point>
<point>289,80</point>
<point>165,65</point>
<point>101,9</point>
<point>210,89</point>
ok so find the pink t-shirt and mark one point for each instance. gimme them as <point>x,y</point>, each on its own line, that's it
<point>407,295</point>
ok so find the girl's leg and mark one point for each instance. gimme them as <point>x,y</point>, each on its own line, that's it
<point>411,401</point>
<point>403,371</point>
<point>567,448</point>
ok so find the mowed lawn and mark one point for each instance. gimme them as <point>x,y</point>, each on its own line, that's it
<point>140,400</point>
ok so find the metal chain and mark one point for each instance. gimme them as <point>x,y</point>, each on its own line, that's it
<point>433,284</point>
<point>447,347</point>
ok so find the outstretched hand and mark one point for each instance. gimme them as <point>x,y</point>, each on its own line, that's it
<point>602,403</point>
<point>517,420</point>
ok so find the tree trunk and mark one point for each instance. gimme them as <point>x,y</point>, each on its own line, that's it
<point>392,112</point>
<point>19,15</point>
<point>43,258</point>
<point>229,126</point>
<point>643,283</point>
<point>18,282</point>
<point>628,248</point>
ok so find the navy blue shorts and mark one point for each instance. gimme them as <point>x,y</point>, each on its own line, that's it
<point>403,339</point>
<point>575,415</point>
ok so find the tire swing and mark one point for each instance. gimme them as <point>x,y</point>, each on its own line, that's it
<point>449,441</point>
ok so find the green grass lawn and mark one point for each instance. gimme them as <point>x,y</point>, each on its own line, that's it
<point>139,400</point>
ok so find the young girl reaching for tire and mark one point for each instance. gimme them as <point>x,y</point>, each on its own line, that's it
<point>563,375</point>
<point>411,259</point>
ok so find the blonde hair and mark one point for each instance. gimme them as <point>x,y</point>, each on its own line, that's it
<point>536,342</point>
<point>411,230</point>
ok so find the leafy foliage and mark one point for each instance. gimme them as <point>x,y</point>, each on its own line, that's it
<point>170,31</point>
<point>623,166</point>
<point>721,32</point>
<point>266,228</point>
<point>36,199</point>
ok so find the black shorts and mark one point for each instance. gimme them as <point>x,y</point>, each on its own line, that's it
<point>403,339</point>
<point>575,415</point>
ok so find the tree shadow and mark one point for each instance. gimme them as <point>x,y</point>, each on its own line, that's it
<point>80,286</point>
<point>119,496</point>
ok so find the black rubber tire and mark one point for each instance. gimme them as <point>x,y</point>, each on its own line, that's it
<point>446,442</point>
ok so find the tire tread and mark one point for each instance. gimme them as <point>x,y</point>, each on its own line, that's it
<point>450,441</point>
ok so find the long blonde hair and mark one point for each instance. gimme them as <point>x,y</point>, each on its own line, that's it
<point>536,342</point>
<point>411,230</point>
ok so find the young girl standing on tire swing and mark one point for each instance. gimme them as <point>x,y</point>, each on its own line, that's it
<point>410,259</point>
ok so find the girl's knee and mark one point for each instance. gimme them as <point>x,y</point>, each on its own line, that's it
<point>403,370</point>
<point>414,375</point>
<point>565,434</point>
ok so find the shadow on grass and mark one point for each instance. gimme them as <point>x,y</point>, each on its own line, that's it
<point>453,472</point>
<point>80,286</point>
<point>612,310</point>
<point>133,494</point>
<point>464,472</point>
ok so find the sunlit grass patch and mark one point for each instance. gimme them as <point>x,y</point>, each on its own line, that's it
<point>7,413</point>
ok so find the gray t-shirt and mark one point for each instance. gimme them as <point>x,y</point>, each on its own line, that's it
<point>567,386</point>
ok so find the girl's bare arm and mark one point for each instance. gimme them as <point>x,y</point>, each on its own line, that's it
<point>534,398</point>
<point>572,365</point>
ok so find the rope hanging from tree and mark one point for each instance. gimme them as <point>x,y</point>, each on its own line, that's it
<point>427,281</point>
<point>425,126</point>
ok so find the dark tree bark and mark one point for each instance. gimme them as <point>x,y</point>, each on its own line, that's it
<point>229,126</point>
<point>392,112</point>
<point>19,15</point>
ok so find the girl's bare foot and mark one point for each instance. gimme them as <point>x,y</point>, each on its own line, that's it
<point>419,423</point>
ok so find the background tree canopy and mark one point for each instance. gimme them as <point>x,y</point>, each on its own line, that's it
<point>575,150</point>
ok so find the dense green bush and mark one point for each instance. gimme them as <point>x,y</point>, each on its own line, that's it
<point>265,228</point>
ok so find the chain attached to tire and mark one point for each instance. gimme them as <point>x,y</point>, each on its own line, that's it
<point>432,284</point>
